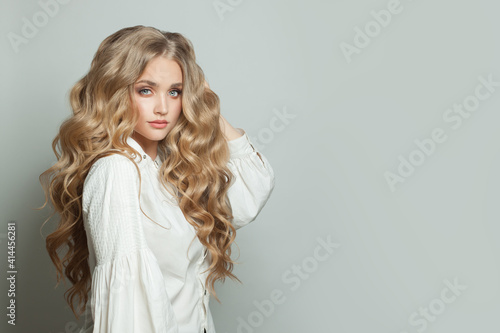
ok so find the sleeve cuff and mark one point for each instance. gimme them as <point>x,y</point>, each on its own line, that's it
<point>240,146</point>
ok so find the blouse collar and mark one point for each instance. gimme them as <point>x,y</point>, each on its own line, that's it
<point>143,156</point>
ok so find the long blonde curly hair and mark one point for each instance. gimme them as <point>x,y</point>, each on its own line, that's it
<point>194,153</point>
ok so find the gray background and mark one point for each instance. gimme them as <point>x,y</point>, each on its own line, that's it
<point>347,123</point>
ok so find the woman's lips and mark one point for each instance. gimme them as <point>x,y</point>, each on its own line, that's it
<point>159,124</point>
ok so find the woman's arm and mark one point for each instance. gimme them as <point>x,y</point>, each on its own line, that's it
<point>253,180</point>
<point>229,131</point>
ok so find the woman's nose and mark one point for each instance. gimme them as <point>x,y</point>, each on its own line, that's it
<point>162,105</point>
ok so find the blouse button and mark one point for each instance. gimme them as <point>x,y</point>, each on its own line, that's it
<point>144,156</point>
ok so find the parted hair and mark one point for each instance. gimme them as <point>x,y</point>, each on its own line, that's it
<point>194,153</point>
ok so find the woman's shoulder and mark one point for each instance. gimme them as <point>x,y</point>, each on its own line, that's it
<point>113,164</point>
<point>118,160</point>
<point>113,175</point>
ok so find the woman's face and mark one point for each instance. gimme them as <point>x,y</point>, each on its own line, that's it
<point>157,94</point>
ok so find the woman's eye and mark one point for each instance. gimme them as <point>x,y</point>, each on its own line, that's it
<point>145,91</point>
<point>174,93</point>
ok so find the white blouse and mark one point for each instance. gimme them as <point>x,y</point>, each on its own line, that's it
<point>148,277</point>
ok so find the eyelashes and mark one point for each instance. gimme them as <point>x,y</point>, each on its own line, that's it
<point>178,91</point>
<point>147,92</point>
<point>141,91</point>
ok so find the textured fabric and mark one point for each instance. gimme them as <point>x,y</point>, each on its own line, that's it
<point>147,263</point>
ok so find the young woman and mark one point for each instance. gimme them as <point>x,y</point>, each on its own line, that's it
<point>151,184</point>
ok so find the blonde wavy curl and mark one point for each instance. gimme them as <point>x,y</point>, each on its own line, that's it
<point>194,153</point>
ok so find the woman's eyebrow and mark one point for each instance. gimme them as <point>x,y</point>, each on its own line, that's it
<point>154,84</point>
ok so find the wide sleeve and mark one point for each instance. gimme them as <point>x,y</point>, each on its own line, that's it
<point>253,180</point>
<point>128,293</point>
